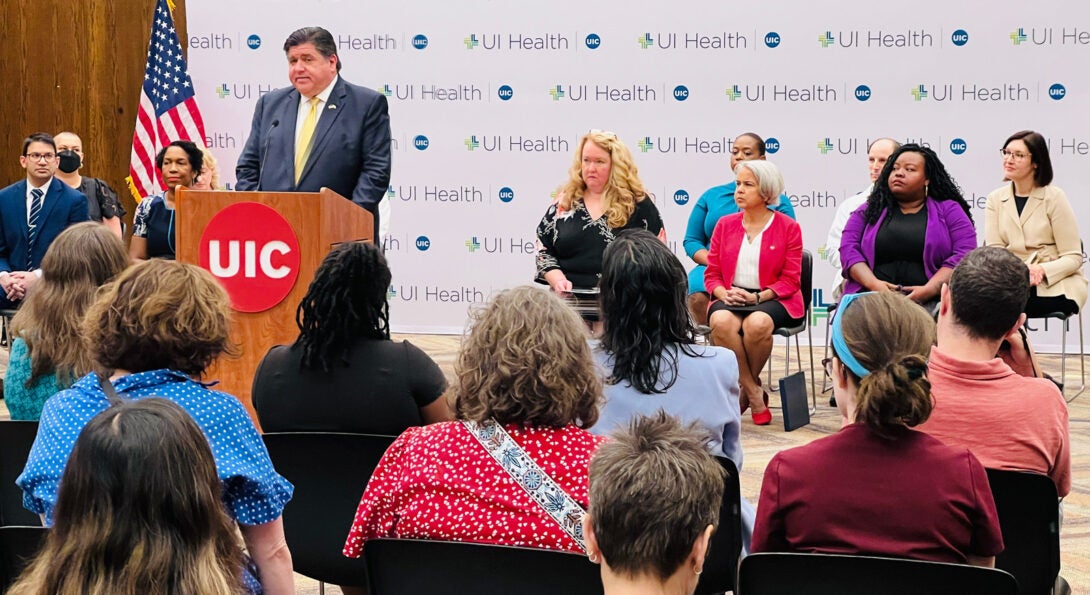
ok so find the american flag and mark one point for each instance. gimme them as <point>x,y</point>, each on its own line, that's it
<point>168,109</point>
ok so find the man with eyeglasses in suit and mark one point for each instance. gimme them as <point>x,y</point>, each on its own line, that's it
<point>33,212</point>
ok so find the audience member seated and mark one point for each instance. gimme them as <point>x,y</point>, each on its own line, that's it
<point>714,204</point>
<point>47,354</point>
<point>139,511</point>
<point>603,195</point>
<point>1007,420</point>
<point>343,373</point>
<point>914,230</point>
<point>1033,219</point>
<point>649,356</point>
<point>655,496</point>
<point>877,154</point>
<point>878,487</point>
<point>527,387</point>
<point>153,226</point>
<point>155,329</point>
<point>102,202</point>
<point>754,274</point>
<point>208,178</point>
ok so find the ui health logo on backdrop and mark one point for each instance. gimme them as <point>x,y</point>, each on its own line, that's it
<point>881,38</point>
<point>224,41</point>
<point>526,42</point>
<point>453,195</point>
<point>374,42</point>
<point>500,245</point>
<point>1007,92</point>
<point>254,253</point>
<point>816,93</point>
<point>453,294</point>
<point>857,145</point>
<point>689,144</point>
<point>429,92</point>
<point>517,143</point>
<point>1069,36</point>
<point>635,93</point>
<point>243,91</point>
<point>700,40</point>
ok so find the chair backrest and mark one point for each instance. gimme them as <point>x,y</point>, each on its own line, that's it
<point>803,574</point>
<point>411,567</point>
<point>16,438</point>
<point>329,472</point>
<point>1028,509</point>
<point>807,280</point>
<point>721,564</point>
<point>18,545</point>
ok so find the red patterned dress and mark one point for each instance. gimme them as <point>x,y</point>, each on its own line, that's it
<point>438,482</point>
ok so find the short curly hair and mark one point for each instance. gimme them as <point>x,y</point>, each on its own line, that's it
<point>526,360</point>
<point>159,314</point>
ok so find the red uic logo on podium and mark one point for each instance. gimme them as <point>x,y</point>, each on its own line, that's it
<point>254,253</point>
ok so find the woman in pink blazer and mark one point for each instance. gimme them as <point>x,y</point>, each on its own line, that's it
<point>754,274</point>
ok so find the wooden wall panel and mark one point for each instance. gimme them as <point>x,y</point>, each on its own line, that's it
<point>75,65</point>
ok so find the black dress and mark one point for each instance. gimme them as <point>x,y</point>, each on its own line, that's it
<point>574,242</point>
<point>380,391</point>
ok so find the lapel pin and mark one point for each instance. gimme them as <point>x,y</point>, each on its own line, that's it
<point>331,106</point>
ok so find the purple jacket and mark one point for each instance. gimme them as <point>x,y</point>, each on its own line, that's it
<point>950,236</point>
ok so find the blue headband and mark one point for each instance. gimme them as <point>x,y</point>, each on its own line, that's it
<point>837,337</point>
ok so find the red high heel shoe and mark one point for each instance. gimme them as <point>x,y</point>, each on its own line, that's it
<point>763,418</point>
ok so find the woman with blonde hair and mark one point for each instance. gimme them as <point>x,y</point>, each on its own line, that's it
<point>602,196</point>
<point>878,487</point>
<point>126,526</point>
<point>527,389</point>
<point>152,333</point>
<point>47,354</point>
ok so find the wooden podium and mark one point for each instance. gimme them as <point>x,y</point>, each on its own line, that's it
<point>320,221</point>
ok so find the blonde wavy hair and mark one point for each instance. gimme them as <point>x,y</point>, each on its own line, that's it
<point>525,360</point>
<point>624,188</point>
<point>78,262</point>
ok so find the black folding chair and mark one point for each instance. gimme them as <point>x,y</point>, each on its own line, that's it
<point>329,471</point>
<point>721,563</point>
<point>16,438</point>
<point>1029,518</point>
<point>414,566</point>
<point>821,574</point>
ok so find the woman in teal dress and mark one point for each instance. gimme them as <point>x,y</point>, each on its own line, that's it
<point>713,204</point>
<point>47,354</point>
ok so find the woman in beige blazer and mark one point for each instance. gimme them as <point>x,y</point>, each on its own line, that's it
<point>1033,219</point>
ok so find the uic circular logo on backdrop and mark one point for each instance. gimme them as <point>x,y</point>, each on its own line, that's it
<point>420,41</point>
<point>1057,91</point>
<point>958,146</point>
<point>253,42</point>
<point>681,92</point>
<point>862,92</point>
<point>421,142</point>
<point>423,243</point>
<point>960,37</point>
<point>505,92</point>
<point>506,194</point>
<point>593,41</point>
<point>681,197</point>
<point>772,39</point>
<point>254,253</point>
<point>772,145</point>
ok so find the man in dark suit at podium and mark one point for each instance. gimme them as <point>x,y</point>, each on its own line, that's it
<point>33,212</point>
<point>321,132</point>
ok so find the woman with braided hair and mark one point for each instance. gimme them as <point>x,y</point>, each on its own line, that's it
<point>879,487</point>
<point>343,373</point>
<point>912,232</point>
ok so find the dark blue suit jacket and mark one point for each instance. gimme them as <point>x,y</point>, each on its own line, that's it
<point>350,153</point>
<point>63,206</point>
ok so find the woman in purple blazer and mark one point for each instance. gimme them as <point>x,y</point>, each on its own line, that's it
<point>911,233</point>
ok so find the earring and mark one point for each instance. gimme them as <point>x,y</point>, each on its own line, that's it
<point>697,572</point>
<point>593,558</point>
<point>925,189</point>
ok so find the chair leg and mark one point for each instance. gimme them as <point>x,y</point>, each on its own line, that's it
<point>813,376</point>
<point>1082,362</point>
<point>321,588</point>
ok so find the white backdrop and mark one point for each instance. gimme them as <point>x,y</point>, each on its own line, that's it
<point>677,82</point>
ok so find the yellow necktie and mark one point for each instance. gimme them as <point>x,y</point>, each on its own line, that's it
<point>302,146</point>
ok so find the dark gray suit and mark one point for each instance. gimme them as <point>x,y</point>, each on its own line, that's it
<point>350,153</point>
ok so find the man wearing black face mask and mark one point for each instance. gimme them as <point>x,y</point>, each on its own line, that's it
<point>102,202</point>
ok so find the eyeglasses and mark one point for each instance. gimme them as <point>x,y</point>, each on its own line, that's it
<point>827,363</point>
<point>1017,155</point>
<point>41,156</point>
